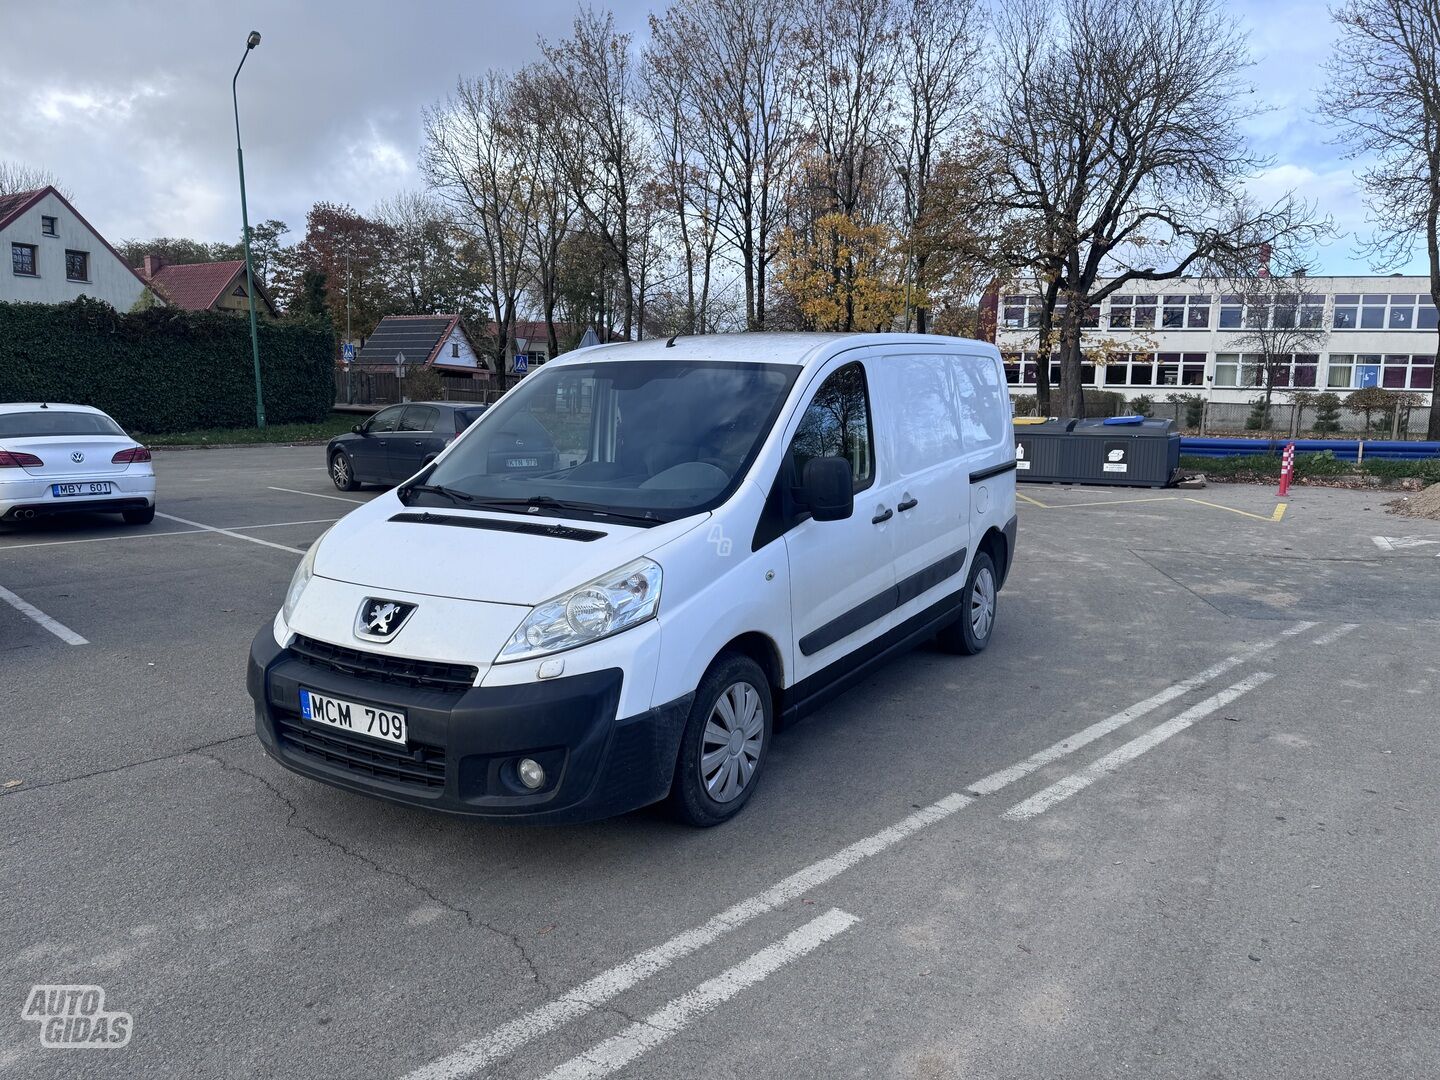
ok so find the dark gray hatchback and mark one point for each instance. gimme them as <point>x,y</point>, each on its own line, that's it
<point>397,442</point>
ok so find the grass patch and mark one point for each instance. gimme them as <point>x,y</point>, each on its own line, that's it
<point>1267,467</point>
<point>335,424</point>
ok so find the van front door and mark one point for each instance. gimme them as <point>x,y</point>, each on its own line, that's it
<point>842,585</point>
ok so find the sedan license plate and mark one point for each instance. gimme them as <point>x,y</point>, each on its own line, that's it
<point>387,724</point>
<point>522,463</point>
<point>97,487</point>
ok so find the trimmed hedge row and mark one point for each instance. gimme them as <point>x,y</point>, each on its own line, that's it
<point>162,370</point>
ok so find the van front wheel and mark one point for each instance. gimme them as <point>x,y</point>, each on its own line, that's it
<point>727,737</point>
<point>970,633</point>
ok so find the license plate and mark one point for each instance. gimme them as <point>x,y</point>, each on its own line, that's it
<point>522,463</point>
<point>387,724</point>
<point>98,487</point>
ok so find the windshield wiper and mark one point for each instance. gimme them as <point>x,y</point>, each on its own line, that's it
<point>450,493</point>
<point>548,502</point>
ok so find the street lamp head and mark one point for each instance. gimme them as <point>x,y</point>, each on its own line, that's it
<point>252,40</point>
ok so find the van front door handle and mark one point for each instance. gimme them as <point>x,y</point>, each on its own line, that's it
<point>908,504</point>
<point>880,519</point>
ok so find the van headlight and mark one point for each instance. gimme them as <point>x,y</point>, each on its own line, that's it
<point>303,573</point>
<point>612,602</point>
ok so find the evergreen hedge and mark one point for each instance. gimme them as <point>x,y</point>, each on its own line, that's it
<point>160,369</point>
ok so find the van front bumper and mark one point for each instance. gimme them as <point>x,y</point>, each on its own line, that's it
<point>464,744</point>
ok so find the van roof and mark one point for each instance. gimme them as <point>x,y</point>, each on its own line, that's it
<point>771,347</point>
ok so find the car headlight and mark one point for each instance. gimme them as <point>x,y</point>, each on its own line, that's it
<point>612,602</point>
<point>303,573</point>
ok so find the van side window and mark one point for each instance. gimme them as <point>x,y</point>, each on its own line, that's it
<point>927,421</point>
<point>837,424</point>
<point>979,393</point>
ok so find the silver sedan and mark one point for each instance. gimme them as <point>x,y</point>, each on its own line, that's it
<point>57,459</point>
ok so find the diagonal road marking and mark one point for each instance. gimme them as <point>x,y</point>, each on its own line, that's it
<point>318,495</point>
<point>231,533</point>
<point>59,629</point>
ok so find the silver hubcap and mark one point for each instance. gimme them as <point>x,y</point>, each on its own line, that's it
<point>341,471</point>
<point>734,738</point>
<point>982,604</point>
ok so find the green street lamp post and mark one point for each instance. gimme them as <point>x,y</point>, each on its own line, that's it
<point>250,43</point>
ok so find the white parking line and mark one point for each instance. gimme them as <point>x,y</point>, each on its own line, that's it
<point>487,1049</point>
<point>318,495</point>
<point>1062,789</point>
<point>158,535</point>
<point>59,629</point>
<point>230,533</point>
<point>1068,745</point>
<point>1336,634</point>
<point>615,1053</point>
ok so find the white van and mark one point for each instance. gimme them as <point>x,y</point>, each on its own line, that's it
<point>710,537</point>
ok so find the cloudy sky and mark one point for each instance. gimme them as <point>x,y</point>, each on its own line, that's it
<point>128,103</point>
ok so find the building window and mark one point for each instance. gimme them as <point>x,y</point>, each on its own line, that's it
<point>1132,312</point>
<point>47,226</point>
<point>1385,311</point>
<point>1089,322</point>
<point>1297,371</point>
<point>1020,312</point>
<point>1185,312</point>
<point>454,350</point>
<point>22,259</point>
<point>1237,370</point>
<point>77,266</point>
<point>1181,369</point>
<point>1393,371</point>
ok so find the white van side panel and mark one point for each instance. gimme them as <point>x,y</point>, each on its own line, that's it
<point>716,590</point>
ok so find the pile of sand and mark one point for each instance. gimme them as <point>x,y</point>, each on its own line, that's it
<point>1424,505</point>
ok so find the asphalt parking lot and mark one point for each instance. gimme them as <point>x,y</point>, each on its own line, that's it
<point>1178,821</point>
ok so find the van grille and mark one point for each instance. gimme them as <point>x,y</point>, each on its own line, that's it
<point>420,766</point>
<point>388,669</point>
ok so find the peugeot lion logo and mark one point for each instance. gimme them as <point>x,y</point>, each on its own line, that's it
<point>381,620</point>
<point>77,457</point>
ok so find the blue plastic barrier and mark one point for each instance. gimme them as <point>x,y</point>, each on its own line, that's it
<point>1344,449</point>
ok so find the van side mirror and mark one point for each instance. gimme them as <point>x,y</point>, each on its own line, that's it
<point>828,488</point>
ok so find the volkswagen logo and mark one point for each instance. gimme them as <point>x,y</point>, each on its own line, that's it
<point>77,456</point>
<point>381,620</point>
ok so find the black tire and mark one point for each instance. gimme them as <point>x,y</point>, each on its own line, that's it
<point>342,472</point>
<point>139,517</point>
<point>692,800</point>
<point>970,633</point>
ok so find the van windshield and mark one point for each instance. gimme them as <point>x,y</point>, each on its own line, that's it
<point>641,441</point>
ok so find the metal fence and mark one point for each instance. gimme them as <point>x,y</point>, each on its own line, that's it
<point>355,386</point>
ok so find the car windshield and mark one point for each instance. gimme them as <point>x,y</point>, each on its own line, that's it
<point>641,440</point>
<point>43,422</point>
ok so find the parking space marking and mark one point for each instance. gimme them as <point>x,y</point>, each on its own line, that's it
<point>230,533</point>
<point>1336,634</point>
<point>59,629</point>
<point>1061,790</point>
<point>159,535</point>
<point>585,998</point>
<point>1068,745</point>
<point>1275,515</point>
<point>1028,499</point>
<point>615,1053</point>
<point>318,495</point>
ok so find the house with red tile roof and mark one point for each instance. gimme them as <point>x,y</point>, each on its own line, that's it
<point>212,286</point>
<point>53,255</point>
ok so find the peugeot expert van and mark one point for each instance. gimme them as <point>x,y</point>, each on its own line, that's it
<point>734,529</point>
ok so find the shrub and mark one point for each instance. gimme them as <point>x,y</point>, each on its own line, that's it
<point>1327,414</point>
<point>1142,405</point>
<point>162,370</point>
<point>422,384</point>
<point>1026,404</point>
<point>1259,418</point>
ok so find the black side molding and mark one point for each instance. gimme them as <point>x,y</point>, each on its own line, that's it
<point>881,604</point>
<point>986,474</point>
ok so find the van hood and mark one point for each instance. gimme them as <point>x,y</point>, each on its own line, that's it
<point>457,553</point>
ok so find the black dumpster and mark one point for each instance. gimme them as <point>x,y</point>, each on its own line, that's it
<point>1042,451</point>
<point>1127,451</point>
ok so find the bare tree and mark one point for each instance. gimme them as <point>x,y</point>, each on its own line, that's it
<point>16,176</point>
<point>1119,129</point>
<point>470,159</point>
<point>1278,327</point>
<point>1383,96</point>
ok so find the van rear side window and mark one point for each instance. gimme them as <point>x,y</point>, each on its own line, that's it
<point>928,419</point>
<point>981,397</point>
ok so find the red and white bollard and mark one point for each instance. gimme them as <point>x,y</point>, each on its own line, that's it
<point>1287,470</point>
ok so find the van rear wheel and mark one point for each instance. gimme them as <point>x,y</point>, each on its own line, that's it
<point>726,740</point>
<point>970,633</point>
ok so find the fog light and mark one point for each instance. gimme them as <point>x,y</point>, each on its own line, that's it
<point>531,774</point>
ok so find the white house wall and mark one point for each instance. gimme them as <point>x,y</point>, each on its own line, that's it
<point>457,342</point>
<point>110,279</point>
<point>1213,341</point>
